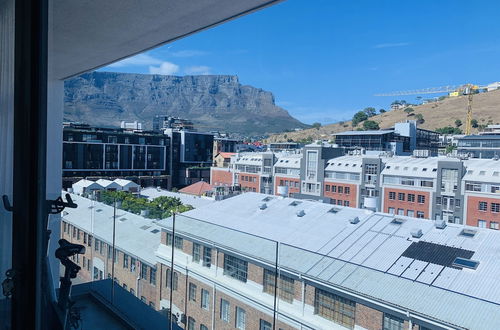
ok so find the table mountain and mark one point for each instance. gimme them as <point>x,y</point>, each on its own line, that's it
<point>212,102</point>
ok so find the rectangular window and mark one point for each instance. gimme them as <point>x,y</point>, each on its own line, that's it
<point>411,198</point>
<point>205,298</point>
<point>333,307</point>
<point>125,260</point>
<point>421,199</point>
<point>169,239</point>
<point>264,325</point>
<point>225,310</point>
<point>152,276</point>
<point>89,243</point>
<point>457,202</point>
<point>327,187</point>
<point>334,188</point>
<point>285,285</point>
<point>339,202</point>
<point>207,257</point>
<point>401,212</point>
<point>341,190</point>
<point>191,323</point>
<point>494,225</point>
<point>96,244</point>
<point>175,280</point>
<point>84,238</point>
<point>481,223</point>
<point>132,264</point>
<point>240,318</point>
<point>179,242</point>
<point>483,206</point>
<point>196,252</point>
<point>346,203</point>
<point>236,268</point>
<point>347,190</point>
<point>192,292</point>
<point>391,210</point>
<point>144,271</point>
<point>410,213</point>
<point>392,195</point>
<point>438,200</point>
<point>420,214</point>
<point>401,196</point>
<point>495,207</point>
<point>393,323</point>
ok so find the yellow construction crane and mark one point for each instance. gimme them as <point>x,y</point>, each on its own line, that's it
<point>468,89</point>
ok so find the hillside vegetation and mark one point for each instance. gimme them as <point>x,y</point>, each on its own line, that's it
<point>486,110</point>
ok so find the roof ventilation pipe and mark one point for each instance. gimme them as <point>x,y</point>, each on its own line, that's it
<point>263,206</point>
<point>354,220</point>
<point>301,213</point>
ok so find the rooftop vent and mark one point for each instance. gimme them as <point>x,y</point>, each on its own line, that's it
<point>416,233</point>
<point>263,206</point>
<point>354,220</point>
<point>397,221</point>
<point>334,210</point>
<point>154,231</point>
<point>294,203</point>
<point>440,224</point>
<point>267,199</point>
<point>301,213</point>
<point>465,263</point>
<point>468,233</point>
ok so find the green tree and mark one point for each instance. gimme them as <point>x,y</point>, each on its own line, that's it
<point>420,118</point>
<point>450,148</point>
<point>382,111</point>
<point>370,125</point>
<point>316,125</point>
<point>474,123</point>
<point>458,123</point>
<point>359,117</point>
<point>409,111</point>
<point>449,130</point>
<point>370,111</point>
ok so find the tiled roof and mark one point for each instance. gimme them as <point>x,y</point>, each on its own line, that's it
<point>198,188</point>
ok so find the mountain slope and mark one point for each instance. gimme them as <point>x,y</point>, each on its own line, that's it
<point>485,109</point>
<point>212,102</point>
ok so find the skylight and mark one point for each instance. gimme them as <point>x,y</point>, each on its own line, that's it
<point>467,232</point>
<point>154,231</point>
<point>267,199</point>
<point>145,227</point>
<point>397,221</point>
<point>294,203</point>
<point>465,263</point>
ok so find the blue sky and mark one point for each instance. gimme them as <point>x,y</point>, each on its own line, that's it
<point>323,60</point>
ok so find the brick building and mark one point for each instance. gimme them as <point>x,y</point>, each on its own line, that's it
<point>361,270</point>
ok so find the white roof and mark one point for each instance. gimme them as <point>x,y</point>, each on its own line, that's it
<point>125,183</point>
<point>107,183</point>
<point>249,158</point>
<point>195,201</point>
<point>351,164</point>
<point>87,183</point>
<point>289,161</point>
<point>366,258</point>
<point>482,170</point>
<point>133,233</point>
<point>412,166</point>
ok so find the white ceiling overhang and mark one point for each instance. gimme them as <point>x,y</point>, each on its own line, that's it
<point>88,34</point>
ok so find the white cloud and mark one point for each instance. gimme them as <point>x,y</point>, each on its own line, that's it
<point>391,45</point>
<point>165,68</point>
<point>198,70</point>
<point>141,59</point>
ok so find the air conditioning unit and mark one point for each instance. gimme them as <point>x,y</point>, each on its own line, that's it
<point>416,233</point>
<point>440,224</point>
<point>354,220</point>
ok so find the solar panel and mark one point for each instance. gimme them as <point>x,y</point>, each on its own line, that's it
<point>436,253</point>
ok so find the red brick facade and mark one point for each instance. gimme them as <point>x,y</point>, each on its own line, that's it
<point>292,183</point>
<point>405,204</point>
<point>474,214</point>
<point>249,182</point>
<point>220,177</point>
<point>340,195</point>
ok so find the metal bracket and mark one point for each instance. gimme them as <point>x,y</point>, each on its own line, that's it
<point>58,205</point>
<point>6,203</point>
<point>8,283</point>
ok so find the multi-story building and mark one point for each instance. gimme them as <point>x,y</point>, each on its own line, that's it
<point>224,144</point>
<point>403,139</point>
<point>227,266</point>
<point>90,152</point>
<point>480,146</point>
<point>254,171</point>
<point>481,187</point>
<point>287,174</point>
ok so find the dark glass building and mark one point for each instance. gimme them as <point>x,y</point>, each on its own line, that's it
<point>90,152</point>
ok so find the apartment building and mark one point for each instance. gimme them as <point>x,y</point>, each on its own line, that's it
<point>343,180</point>
<point>486,145</point>
<point>90,152</point>
<point>481,187</point>
<point>286,172</point>
<point>362,270</point>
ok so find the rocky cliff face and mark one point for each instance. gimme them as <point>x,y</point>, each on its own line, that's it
<point>212,102</point>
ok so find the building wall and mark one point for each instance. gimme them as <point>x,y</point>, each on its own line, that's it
<point>351,197</point>
<point>474,214</point>
<point>369,318</point>
<point>219,177</point>
<point>406,205</point>
<point>292,188</point>
<point>250,182</point>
